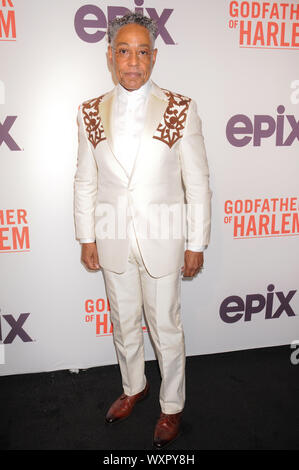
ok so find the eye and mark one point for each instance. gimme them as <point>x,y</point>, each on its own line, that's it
<point>143,52</point>
<point>123,51</point>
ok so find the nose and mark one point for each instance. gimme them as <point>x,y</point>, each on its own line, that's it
<point>133,58</point>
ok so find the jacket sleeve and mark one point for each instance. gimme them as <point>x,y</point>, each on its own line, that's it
<point>195,175</point>
<point>85,186</point>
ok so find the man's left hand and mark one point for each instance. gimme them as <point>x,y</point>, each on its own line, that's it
<point>193,263</point>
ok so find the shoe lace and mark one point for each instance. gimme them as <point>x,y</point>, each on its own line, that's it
<point>166,419</point>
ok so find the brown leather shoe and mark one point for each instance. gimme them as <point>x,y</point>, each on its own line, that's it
<point>167,429</point>
<point>123,406</point>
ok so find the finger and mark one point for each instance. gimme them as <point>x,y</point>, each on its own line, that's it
<point>96,260</point>
<point>188,273</point>
<point>191,272</point>
<point>89,263</point>
<point>94,266</point>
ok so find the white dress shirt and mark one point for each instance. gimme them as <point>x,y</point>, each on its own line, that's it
<point>128,116</point>
<point>127,122</point>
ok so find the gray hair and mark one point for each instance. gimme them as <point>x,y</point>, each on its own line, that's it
<point>129,18</point>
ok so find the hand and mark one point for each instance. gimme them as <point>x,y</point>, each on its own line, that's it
<point>193,263</point>
<point>89,256</point>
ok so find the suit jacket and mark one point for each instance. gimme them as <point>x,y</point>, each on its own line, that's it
<point>170,170</point>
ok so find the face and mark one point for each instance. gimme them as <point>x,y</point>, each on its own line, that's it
<point>131,56</point>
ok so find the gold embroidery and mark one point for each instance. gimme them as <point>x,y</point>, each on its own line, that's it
<point>170,129</point>
<point>92,121</point>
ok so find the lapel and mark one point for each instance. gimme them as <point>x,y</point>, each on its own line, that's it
<point>105,111</point>
<point>156,107</point>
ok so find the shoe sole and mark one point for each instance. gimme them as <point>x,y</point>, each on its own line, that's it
<point>126,417</point>
<point>168,444</point>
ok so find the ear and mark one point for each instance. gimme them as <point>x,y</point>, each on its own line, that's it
<point>155,51</point>
<point>110,54</point>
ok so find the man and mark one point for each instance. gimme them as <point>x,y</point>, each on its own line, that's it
<point>140,150</point>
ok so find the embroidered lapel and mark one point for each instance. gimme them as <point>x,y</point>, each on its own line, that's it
<point>166,116</point>
<point>92,121</point>
<point>170,130</point>
<point>105,111</point>
<point>156,107</point>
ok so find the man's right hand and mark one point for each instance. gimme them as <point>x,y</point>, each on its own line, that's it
<point>89,256</point>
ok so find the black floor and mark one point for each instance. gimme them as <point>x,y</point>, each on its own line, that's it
<point>238,400</point>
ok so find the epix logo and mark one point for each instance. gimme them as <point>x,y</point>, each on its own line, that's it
<point>254,130</point>
<point>94,29</point>
<point>6,124</point>
<point>234,308</point>
<point>5,136</point>
<point>7,21</point>
<point>16,326</point>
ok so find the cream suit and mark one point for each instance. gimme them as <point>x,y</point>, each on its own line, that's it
<point>141,267</point>
<point>171,164</point>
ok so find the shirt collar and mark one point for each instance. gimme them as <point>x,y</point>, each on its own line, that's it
<point>141,93</point>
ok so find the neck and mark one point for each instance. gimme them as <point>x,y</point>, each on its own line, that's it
<point>145,85</point>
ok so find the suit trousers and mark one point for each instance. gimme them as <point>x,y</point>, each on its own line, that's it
<point>128,292</point>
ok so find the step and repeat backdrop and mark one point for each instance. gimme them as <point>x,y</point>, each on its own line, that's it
<point>239,61</point>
